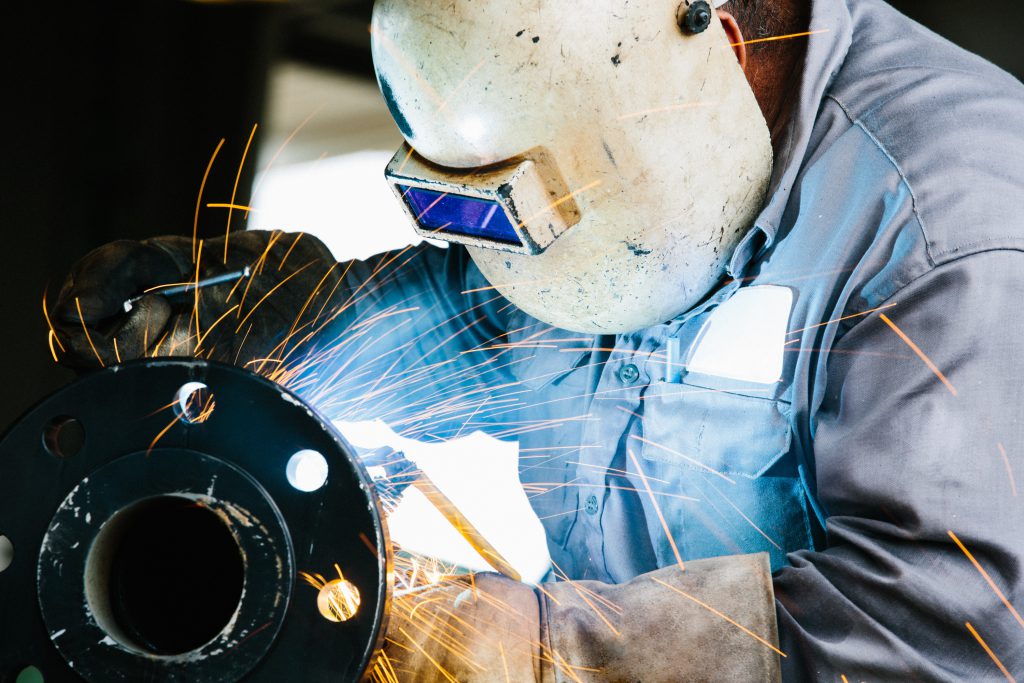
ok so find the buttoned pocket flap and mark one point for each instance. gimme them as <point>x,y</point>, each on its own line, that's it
<point>713,431</point>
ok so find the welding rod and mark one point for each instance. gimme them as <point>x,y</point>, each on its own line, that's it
<point>190,287</point>
<point>465,528</point>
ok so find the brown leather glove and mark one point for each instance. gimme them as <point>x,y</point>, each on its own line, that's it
<point>292,276</point>
<point>713,622</point>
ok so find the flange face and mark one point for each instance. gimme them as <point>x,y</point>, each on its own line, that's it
<point>166,538</point>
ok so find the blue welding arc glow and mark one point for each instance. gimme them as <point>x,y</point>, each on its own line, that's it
<point>453,213</point>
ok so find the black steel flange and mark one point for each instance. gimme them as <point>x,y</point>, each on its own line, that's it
<point>156,523</point>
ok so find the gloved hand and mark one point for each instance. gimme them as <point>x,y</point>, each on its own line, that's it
<point>236,324</point>
<point>715,621</point>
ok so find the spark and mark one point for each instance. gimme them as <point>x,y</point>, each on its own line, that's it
<point>1009,469</point>
<point>234,191</point>
<point>658,110</point>
<point>785,37</point>
<point>506,284</point>
<point>396,54</point>
<point>987,578</point>
<point>201,339</point>
<point>199,199</point>
<point>561,200</point>
<point>88,337</point>
<point>159,436</point>
<point>991,654</point>
<point>716,612</point>
<point>920,354</point>
<point>433,661</point>
<point>657,509</point>
<point>459,86</point>
<point>683,456</point>
<point>837,320</point>
<point>748,520</point>
<point>46,315</point>
<point>117,354</point>
<point>280,149</point>
<point>49,340</point>
<point>268,294</point>
<point>232,207</point>
<point>289,252</point>
<point>844,678</point>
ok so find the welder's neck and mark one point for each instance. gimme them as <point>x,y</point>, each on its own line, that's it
<point>775,69</point>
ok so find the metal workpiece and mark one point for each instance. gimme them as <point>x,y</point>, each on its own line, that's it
<point>178,520</point>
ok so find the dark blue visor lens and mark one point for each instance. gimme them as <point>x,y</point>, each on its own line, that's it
<point>440,212</point>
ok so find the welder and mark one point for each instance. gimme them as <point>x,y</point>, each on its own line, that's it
<point>743,280</point>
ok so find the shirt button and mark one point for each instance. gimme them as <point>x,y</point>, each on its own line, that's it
<point>629,374</point>
<point>591,505</point>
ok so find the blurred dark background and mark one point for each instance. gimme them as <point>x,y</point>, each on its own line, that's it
<point>113,110</point>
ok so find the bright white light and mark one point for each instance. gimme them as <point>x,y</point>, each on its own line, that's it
<point>473,128</point>
<point>344,201</point>
<point>307,470</point>
<point>480,476</point>
<point>185,393</point>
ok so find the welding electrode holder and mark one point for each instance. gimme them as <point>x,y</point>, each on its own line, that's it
<point>161,538</point>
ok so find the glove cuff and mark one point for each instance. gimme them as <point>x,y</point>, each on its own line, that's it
<point>715,621</point>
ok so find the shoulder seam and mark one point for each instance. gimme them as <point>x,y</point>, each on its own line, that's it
<point>944,264</point>
<point>903,178</point>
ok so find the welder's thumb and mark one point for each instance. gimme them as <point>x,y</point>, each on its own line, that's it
<point>90,321</point>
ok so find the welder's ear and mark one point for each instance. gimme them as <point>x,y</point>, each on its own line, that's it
<point>735,36</point>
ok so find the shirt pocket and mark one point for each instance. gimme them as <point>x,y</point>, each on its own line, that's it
<point>719,465</point>
<point>713,431</point>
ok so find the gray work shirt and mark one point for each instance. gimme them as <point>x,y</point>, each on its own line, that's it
<point>849,400</point>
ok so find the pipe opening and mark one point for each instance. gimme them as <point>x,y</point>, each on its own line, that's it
<point>164,576</point>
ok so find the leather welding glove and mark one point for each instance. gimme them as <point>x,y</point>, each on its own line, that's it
<point>715,621</point>
<point>237,321</point>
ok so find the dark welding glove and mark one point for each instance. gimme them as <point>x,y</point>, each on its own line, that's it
<point>238,322</point>
<point>715,621</point>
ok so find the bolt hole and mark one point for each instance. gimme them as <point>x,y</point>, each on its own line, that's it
<point>29,674</point>
<point>6,553</point>
<point>193,403</point>
<point>338,600</point>
<point>307,470</point>
<point>63,436</point>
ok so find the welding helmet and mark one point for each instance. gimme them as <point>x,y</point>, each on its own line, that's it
<point>600,161</point>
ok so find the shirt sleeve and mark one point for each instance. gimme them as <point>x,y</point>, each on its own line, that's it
<point>918,445</point>
<point>411,337</point>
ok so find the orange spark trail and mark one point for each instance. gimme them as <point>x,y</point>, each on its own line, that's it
<point>199,199</point>
<point>1009,469</point>
<point>234,191</point>
<point>561,200</point>
<point>685,457</point>
<point>85,329</point>
<point>987,578</point>
<point>225,205</point>
<point>844,678</point>
<point>268,294</point>
<point>657,509</point>
<point>289,252</point>
<point>838,320</point>
<point>159,436</point>
<point>716,612</point>
<point>785,37</point>
<point>280,149</point>
<point>53,332</point>
<point>919,352</point>
<point>658,110</point>
<point>991,654</point>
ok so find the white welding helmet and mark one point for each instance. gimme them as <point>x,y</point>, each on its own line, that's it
<point>600,160</point>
